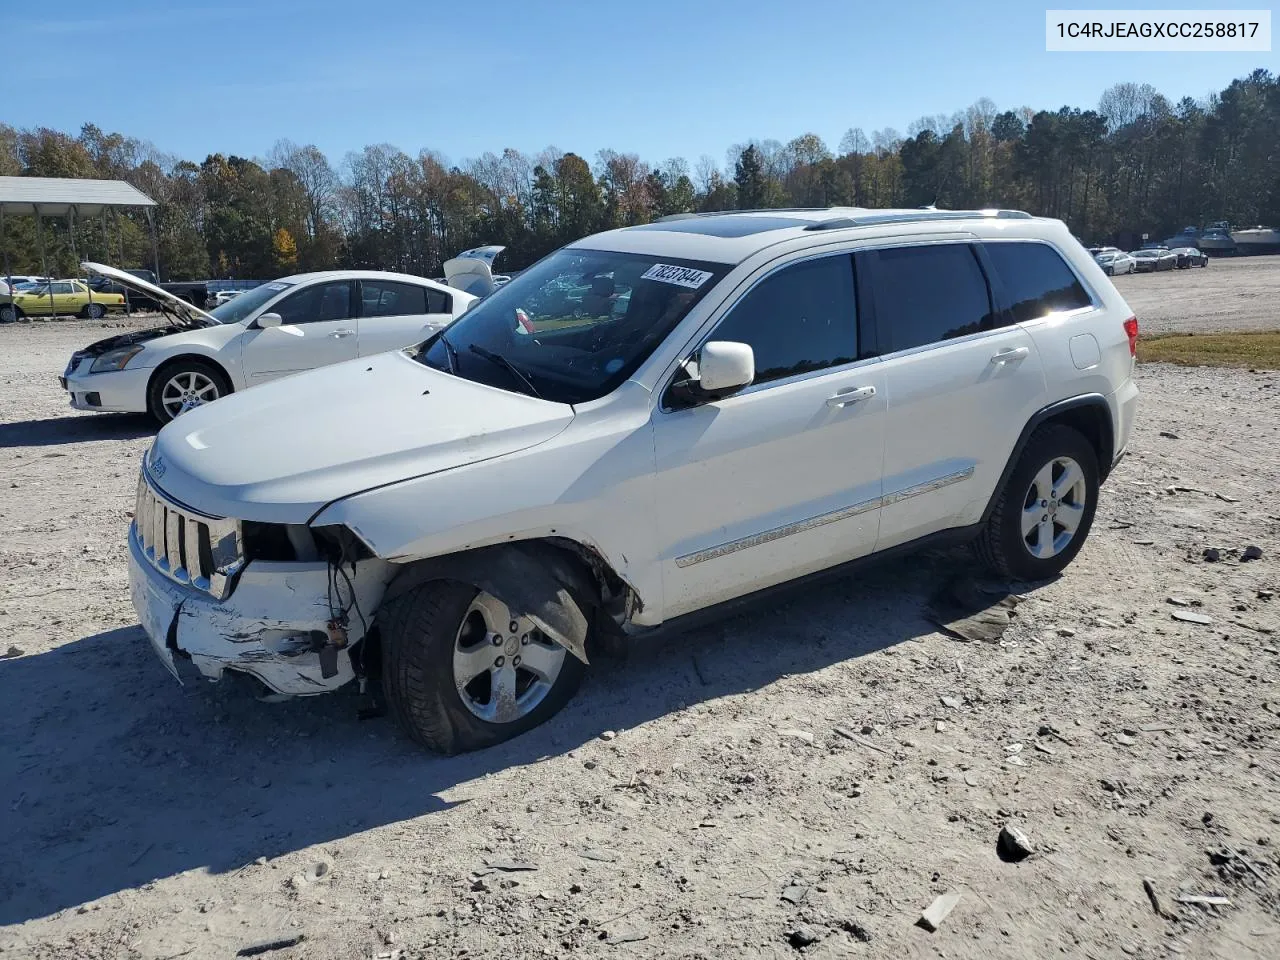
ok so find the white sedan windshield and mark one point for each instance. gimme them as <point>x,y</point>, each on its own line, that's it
<point>235,310</point>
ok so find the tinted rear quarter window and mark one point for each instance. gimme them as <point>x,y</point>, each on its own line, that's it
<point>438,301</point>
<point>929,293</point>
<point>799,319</point>
<point>1036,279</point>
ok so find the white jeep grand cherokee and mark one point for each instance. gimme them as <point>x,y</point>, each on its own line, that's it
<point>647,423</point>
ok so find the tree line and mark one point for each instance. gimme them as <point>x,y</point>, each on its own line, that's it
<point>1135,163</point>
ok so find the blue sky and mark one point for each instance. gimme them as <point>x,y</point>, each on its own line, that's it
<point>661,78</point>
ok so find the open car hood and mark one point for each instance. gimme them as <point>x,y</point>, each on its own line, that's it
<point>472,270</point>
<point>183,313</point>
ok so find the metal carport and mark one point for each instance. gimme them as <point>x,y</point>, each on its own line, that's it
<point>75,199</point>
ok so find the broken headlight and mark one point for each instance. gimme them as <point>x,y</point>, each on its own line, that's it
<point>339,545</point>
<point>282,542</point>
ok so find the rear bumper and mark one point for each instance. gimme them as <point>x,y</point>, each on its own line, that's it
<point>271,626</point>
<point>1124,408</point>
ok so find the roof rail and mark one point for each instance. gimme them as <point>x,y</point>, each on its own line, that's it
<point>729,213</point>
<point>921,216</point>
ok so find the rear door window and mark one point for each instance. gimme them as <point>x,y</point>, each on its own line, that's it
<point>389,298</point>
<point>1036,279</point>
<point>929,293</point>
<point>802,318</point>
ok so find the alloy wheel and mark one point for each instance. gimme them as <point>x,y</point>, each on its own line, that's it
<point>503,666</point>
<point>186,391</point>
<point>1053,507</point>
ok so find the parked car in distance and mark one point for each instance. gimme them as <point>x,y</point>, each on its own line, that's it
<point>57,297</point>
<point>1151,259</point>
<point>224,296</point>
<point>645,425</point>
<point>1095,251</point>
<point>1188,257</point>
<point>292,324</point>
<point>1114,263</point>
<point>20,281</point>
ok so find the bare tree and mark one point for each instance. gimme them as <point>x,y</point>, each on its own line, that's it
<point>1124,103</point>
<point>854,141</point>
<point>311,169</point>
<point>706,174</point>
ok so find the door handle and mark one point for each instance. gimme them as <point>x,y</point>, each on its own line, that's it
<point>1013,353</point>
<point>342,333</point>
<point>846,397</point>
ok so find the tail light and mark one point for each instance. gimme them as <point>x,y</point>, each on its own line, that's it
<point>1131,331</point>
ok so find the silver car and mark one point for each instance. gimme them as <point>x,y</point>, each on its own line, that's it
<point>1114,263</point>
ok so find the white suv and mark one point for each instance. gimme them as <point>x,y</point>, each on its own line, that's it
<point>647,423</point>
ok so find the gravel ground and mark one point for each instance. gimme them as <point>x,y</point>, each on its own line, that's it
<point>697,799</point>
<point>1231,293</point>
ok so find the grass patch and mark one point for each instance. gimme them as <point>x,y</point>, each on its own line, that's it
<point>1260,351</point>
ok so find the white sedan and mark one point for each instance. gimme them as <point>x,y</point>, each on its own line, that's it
<point>292,324</point>
<point>1115,262</point>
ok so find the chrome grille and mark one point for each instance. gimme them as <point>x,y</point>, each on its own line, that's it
<point>187,547</point>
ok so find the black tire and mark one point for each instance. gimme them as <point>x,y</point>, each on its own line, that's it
<point>95,311</point>
<point>9,313</point>
<point>418,633</point>
<point>1001,545</point>
<point>163,375</point>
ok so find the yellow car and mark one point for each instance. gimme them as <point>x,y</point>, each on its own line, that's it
<point>58,297</point>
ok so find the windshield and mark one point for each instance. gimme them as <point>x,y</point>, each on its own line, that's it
<point>574,326</point>
<point>236,309</point>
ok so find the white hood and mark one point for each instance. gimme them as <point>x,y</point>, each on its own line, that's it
<point>187,314</point>
<point>281,451</point>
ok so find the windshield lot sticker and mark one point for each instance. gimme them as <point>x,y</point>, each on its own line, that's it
<point>680,276</point>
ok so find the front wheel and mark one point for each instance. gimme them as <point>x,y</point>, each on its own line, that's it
<point>184,386</point>
<point>8,313</point>
<point>460,671</point>
<point>1043,515</point>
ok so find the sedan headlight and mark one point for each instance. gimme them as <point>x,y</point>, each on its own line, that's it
<point>115,359</point>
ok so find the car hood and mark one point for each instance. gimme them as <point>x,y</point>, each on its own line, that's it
<point>124,340</point>
<point>281,451</point>
<point>184,314</point>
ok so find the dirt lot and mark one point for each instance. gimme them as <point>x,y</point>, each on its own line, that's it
<point>1231,293</point>
<point>725,816</point>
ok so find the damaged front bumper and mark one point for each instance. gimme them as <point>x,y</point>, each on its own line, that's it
<point>274,626</point>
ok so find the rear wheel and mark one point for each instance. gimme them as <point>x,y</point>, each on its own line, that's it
<point>184,386</point>
<point>1043,514</point>
<point>460,671</point>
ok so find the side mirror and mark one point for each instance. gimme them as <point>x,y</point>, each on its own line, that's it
<point>270,320</point>
<point>723,368</point>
